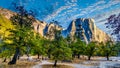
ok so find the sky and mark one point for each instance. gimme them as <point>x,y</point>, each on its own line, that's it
<point>64,11</point>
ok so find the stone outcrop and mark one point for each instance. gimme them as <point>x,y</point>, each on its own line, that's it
<point>39,27</point>
<point>49,31</point>
<point>86,30</point>
<point>83,28</point>
<point>7,13</point>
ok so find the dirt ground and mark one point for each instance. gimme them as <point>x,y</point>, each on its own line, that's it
<point>22,63</point>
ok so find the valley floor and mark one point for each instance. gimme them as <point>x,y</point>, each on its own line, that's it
<point>98,62</point>
<point>85,64</point>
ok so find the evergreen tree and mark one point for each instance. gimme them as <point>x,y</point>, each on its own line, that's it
<point>38,45</point>
<point>90,49</point>
<point>107,49</point>
<point>61,50</point>
<point>78,48</point>
<point>21,34</point>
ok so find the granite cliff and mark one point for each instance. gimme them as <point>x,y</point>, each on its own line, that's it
<point>83,28</point>
<point>86,30</point>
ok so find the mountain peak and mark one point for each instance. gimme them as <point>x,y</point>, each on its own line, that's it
<point>86,29</point>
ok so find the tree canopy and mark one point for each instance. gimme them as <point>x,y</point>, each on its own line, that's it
<point>114,24</point>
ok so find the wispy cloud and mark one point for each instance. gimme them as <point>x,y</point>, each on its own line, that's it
<point>101,19</point>
<point>85,10</point>
<point>99,6</point>
<point>68,5</point>
<point>71,11</point>
<point>73,0</point>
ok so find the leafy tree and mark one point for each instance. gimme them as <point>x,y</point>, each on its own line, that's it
<point>90,49</point>
<point>117,48</point>
<point>38,47</point>
<point>107,49</point>
<point>114,24</point>
<point>48,45</point>
<point>78,48</point>
<point>61,50</point>
<point>20,39</point>
<point>5,50</point>
<point>68,40</point>
<point>21,34</point>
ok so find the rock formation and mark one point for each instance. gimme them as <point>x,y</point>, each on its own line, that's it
<point>49,31</point>
<point>83,28</point>
<point>86,30</point>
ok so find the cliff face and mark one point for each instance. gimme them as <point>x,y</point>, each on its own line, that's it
<point>86,30</point>
<point>44,29</point>
<point>83,28</point>
<point>39,27</point>
<point>6,13</point>
<point>49,31</point>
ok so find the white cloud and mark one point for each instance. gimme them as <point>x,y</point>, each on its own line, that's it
<point>99,6</point>
<point>67,6</point>
<point>72,11</point>
<point>84,11</point>
<point>73,0</point>
<point>109,4</point>
<point>56,12</point>
<point>102,18</point>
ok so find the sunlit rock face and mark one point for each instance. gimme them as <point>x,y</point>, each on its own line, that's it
<point>7,13</point>
<point>83,28</point>
<point>49,31</point>
<point>86,30</point>
<point>44,29</point>
<point>39,27</point>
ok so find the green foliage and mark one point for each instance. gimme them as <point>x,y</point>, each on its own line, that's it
<point>90,49</point>
<point>78,47</point>
<point>5,48</point>
<point>37,45</point>
<point>48,45</point>
<point>117,48</point>
<point>61,50</point>
<point>108,49</point>
<point>5,25</point>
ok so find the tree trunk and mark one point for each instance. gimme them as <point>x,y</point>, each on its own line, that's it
<point>5,59</point>
<point>78,56</point>
<point>55,64</point>
<point>107,57</point>
<point>89,57</point>
<point>18,57</point>
<point>43,58</point>
<point>38,56</point>
<point>49,56</point>
<point>15,57</point>
<point>73,55</point>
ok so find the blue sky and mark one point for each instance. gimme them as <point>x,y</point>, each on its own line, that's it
<point>64,11</point>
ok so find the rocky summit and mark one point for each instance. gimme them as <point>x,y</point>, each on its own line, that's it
<point>84,28</point>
